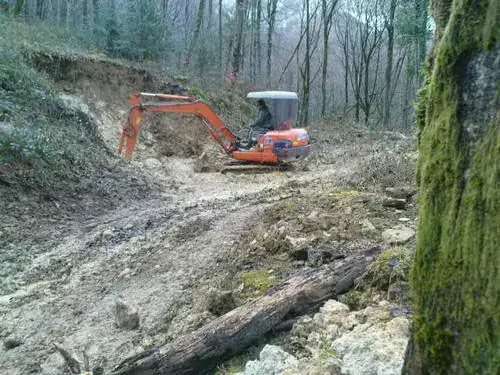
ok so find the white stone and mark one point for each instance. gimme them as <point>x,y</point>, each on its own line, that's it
<point>152,163</point>
<point>398,235</point>
<point>367,227</point>
<point>273,361</point>
<point>376,349</point>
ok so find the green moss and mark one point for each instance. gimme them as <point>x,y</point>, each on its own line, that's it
<point>391,266</point>
<point>354,299</point>
<point>328,353</point>
<point>257,280</point>
<point>456,281</point>
<point>339,194</point>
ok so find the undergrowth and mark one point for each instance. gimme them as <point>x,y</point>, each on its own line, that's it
<point>43,142</point>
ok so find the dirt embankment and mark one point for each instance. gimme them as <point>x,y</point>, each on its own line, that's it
<point>195,235</point>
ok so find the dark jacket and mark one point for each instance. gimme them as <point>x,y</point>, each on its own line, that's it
<point>265,119</point>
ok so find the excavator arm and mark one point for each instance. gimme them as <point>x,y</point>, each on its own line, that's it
<point>172,103</point>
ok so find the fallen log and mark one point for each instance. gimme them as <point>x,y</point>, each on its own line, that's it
<point>199,351</point>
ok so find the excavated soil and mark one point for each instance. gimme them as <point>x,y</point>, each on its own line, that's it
<point>161,245</point>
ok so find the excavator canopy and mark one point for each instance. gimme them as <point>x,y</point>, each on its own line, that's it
<point>284,107</point>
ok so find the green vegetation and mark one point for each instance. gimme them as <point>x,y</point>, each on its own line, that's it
<point>456,280</point>
<point>257,280</point>
<point>328,353</point>
<point>391,266</point>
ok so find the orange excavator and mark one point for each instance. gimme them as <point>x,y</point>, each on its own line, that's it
<point>279,145</point>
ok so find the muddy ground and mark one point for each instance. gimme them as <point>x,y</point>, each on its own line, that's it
<point>164,244</point>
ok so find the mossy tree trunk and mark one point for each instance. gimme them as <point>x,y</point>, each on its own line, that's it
<point>456,278</point>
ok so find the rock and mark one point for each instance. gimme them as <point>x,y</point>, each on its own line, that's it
<point>398,235</point>
<point>152,163</point>
<point>313,215</point>
<point>369,341</point>
<point>107,234</point>
<point>403,219</point>
<point>367,227</point>
<point>219,302</point>
<point>374,348</point>
<point>318,257</point>
<point>273,361</point>
<point>394,203</point>
<point>316,366</point>
<point>401,192</point>
<point>299,254</point>
<point>11,343</point>
<point>126,315</point>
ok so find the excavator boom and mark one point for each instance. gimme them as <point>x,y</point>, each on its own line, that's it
<point>172,103</point>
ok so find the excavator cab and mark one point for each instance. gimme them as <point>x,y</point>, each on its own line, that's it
<point>284,143</point>
<point>284,107</point>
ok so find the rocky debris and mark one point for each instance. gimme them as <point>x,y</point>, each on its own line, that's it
<point>12,342</point>
<point>315,366</point>
<point>219,302</point>
<point>152,163</point>
<point>318,257</point>
<point>273,242</point>
<point>398,235</point>
<point>374,348</point>
<point>272,361</point>
<point>300,254</point>
<point>108,234</point>
<point>370,341</point>
<point>126,315</point>
<point>367,227</point>
<point>401,192</point>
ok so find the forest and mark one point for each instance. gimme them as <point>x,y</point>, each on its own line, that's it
<point>356,60</point>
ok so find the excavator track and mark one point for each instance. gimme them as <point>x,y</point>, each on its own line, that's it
<point>244,167</point>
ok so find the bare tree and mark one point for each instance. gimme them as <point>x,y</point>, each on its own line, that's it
<point>241,8</point>
<point>389,25</point>
<point>327,9</point>
<point>271,20</point>
<point>196,34</point>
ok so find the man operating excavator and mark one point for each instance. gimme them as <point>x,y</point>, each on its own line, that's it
<point>260,126</point>
<point>264,122</point>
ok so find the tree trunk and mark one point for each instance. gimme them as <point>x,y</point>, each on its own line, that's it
<point>85,12</point>
<point>346,73</point>
<point>258,45</point>
<point>388,68</point>
<point>196,34</point>
<point>240,20</point>
<point>327,12</point>
<point>210,16</point>
<point>271,18</point>
<point>198,352</point>
<point>456,278</point>
<point>220,37</point>
<point>95,13</point>
<point>306,79</point>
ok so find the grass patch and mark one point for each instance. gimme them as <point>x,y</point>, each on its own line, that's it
<point>257,280</point>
